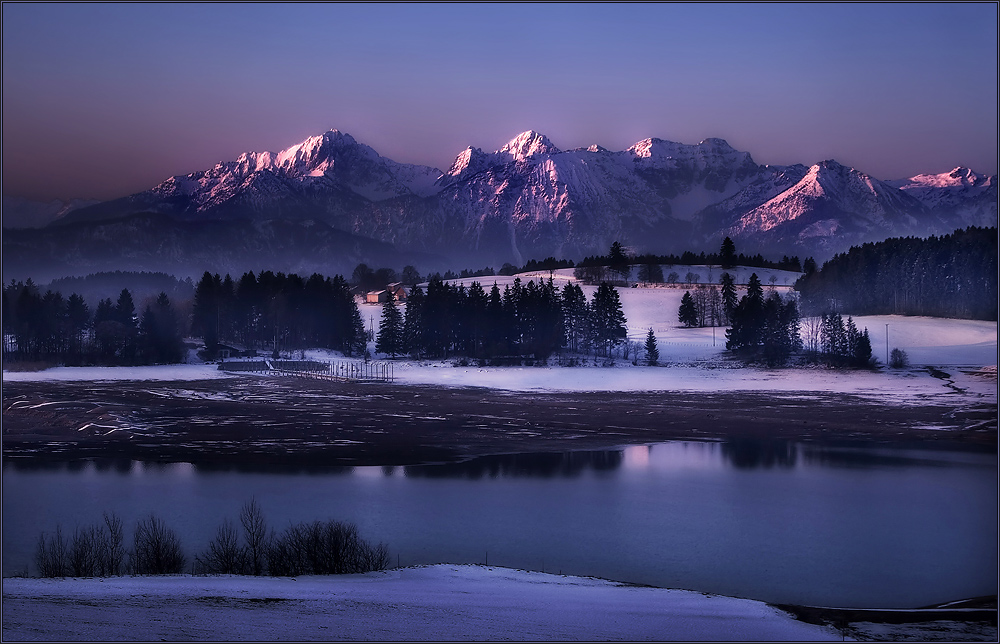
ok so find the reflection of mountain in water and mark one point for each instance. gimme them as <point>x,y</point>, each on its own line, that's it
<point>749,453</point>
<point>544,465</point>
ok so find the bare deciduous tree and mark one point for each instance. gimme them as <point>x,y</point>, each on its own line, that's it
<point>812,329</point>
<point>255,533</point>
<point>156,549</point>
<point>113,546</point>
<point>225,556</point>
<point>52,555</point>
<point>84,555</point>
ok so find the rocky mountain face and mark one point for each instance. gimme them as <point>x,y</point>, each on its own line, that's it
<point>528,199</point>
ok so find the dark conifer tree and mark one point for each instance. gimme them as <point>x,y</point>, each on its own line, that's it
<point>477,320</point>
<point>607,319</point>
<point>727,253</point>
<point>390,331</point>
<point>863,350</point>
<point>652,352</point>
<point>125,310</point>
<point>650,272</point>
<point>206,315</point>
<point>618,261</point>
<point>574,304</point>
<point>687,314</point>
<point>496,337</point>
<point>729,299</point>
<point>413,324</point>
<point>78,315</point>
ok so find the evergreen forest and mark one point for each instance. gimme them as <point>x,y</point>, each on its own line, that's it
<point>524,320</point>
<point>50,328</point>
<point>952,276</point>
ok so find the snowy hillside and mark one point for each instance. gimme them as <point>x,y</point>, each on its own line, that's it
<point>693,359</point>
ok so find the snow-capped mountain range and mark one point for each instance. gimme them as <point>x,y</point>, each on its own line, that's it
<point>529,199</point>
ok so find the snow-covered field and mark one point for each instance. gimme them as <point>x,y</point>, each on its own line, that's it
<point>690,359</point>
<point>433,603</point>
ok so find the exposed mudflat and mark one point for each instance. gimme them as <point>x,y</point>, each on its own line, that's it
<point>295,420</point>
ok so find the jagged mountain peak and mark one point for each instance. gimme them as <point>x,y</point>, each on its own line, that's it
<point>528,144</point>
<point>960,177</point>
<point>531,199</point>
<point>833,177</point>
<point>468,162</point>
<point>717,144</point>
<point>657,152</point>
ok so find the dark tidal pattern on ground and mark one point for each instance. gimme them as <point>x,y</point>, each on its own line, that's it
<point>300,421</point>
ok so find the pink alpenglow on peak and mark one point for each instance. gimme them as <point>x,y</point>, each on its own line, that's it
<point>528,144</point>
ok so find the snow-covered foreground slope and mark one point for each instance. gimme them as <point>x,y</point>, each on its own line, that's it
<point>434,603</point>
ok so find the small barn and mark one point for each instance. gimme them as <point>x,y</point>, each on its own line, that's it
<point>398,291</point>
<point>377,297</point>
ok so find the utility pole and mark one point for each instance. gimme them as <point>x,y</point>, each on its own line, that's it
<point>887,345</point>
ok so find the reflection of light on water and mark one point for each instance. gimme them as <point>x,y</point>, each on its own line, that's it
<point>140,469</point>
<point>636,457</point>
<point>369,471</point>
<point>183,470</point>
<point>686,455</point>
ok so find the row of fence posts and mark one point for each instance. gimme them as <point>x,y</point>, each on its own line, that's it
<point>381,371</point>
<point>337,370</point>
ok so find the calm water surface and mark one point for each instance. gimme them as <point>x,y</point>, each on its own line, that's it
<point>777,521</point>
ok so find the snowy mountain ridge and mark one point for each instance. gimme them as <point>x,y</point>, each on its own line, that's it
<point>530,198</point>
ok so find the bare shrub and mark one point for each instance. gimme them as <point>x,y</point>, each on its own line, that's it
<point>156,549</point>
<point>94,551</point>
<point>52,555</point>
<point>324,548</point>
<point>224,556</point>
<point>84,552</point>
<point>898,359</point>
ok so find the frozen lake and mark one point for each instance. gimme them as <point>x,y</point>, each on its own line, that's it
<point>780,521</point>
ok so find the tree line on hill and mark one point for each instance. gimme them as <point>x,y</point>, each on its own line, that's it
<point>525,320</point>
<point>614,267</point>
<point>50,328</point>
<point>949,276</point>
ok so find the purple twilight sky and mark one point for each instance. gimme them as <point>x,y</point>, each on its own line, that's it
<point>102,100</point>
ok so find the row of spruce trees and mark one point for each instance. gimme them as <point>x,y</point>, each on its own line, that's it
<point>50,328</point>
<point>533,319</point>
<point>948,276</point>
<point>277,310</point>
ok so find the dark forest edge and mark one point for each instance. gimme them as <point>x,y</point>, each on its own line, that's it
<point>950,276</point>
<point>308,548</point>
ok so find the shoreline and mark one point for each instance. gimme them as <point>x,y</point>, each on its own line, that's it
<point>293,421</point>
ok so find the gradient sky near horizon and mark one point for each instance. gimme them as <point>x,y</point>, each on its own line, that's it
<point>103,100</point>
